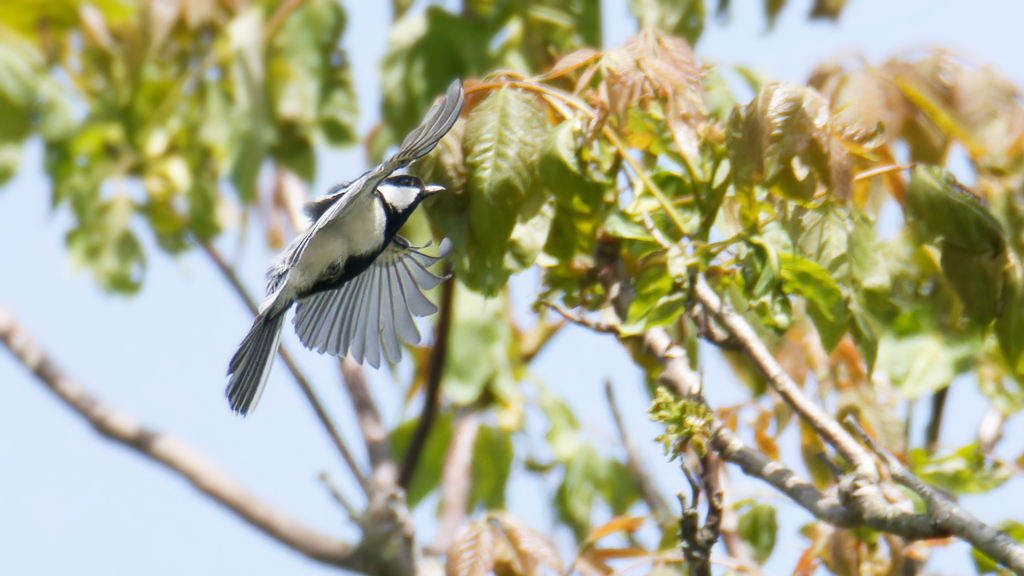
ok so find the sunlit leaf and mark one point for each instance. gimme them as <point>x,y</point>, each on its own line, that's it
<point>757,527</point>
<point>827,307</point>
<point>965,471</point>
<point>503,137</point>
<point>492,461</point>
<point>428,469</point>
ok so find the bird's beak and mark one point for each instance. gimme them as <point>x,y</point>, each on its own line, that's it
<point>433,189</point>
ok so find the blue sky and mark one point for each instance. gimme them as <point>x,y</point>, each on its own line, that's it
<point>72,502</point>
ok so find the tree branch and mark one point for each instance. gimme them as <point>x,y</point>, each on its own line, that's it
<point>822,423</point>
<point>860,500</point>
<point>299,377</point>
<point>634,460</point>
<point>946,514</point>
<point>375,434</point>
<point>435,371</point>
<point>455,482</point>
<point>177,456</point>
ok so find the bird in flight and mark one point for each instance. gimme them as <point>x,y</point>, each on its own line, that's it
<point>357,283</point>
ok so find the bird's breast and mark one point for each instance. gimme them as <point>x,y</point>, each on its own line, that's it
<point>352,235</point>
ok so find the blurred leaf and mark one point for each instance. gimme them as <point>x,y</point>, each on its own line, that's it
<point>106,244</point>
<point>628,524</point>
<point>923,363</point>
<point>757,527</point>
<point>827,9</point>
<point>478,347</point>
<point>574,498</point>
<point>812,449</point>
<point>653,283</point>
<point>503,137</point>
<point>428,471</point>
<point>578,198</point>
<point>530,549</point>
<point>492,461</point>
<point>618,488</point>
<point>472,550</point>
<point>827,307</point>
<point>771,10</point>
<point>685,18</point>
<point>965,471</point>
<point>941,208</point>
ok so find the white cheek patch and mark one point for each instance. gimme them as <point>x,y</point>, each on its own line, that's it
<point>400,197</point>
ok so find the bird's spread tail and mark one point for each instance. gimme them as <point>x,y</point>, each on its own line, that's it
<point>250,366</point>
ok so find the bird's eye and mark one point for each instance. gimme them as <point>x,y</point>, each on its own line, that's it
<point>404,181</point>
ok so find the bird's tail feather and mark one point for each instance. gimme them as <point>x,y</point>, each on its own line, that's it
<point>251,364</point>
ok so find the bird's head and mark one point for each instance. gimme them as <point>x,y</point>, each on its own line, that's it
<point>403,193</point>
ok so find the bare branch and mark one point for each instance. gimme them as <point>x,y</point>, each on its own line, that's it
<point>591,325</point>
<point>455,480</point>
<point>435,371</point>
<point>823,424</point>
<point>634,460</point>
<point>946,514</point>
<point>375,434</point>
<point>299,377</point>
<point>177,456</point>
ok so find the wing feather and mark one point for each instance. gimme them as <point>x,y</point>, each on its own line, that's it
<point>372,314</point>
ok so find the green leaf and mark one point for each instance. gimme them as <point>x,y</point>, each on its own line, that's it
<point>758,527</point>
<point>679,18</point>
<point>503,137</point>
<point>653,284</point>
<point>619,225</point>
<point>529,236</point>
<point>103,242</point>
<point>428,468</point>
<point>574,498</point>
<point>923,363</point>
<point>618,488</point>
<point>985,565</point>
<point>940,207</point>
<point>492,462</point>
<point>977,279</point>
<point>826,305</point>
<point>579,199</point>
<point>965,471</point>
<point>478,350</point>
<point>563,435</point>
<point>867,255</point>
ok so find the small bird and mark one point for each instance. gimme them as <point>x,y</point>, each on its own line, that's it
<point>357,283</point>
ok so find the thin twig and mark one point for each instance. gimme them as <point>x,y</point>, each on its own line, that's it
<point>947,514</point>
<point>435,371</point>
<point>634,460</point>
<point>339,497</point>
<point>177,456</point>
<point>592,325</point>
<point>375,434</point>
<point>823,424</point>
<point>297,375</point>
<point>455,482</point>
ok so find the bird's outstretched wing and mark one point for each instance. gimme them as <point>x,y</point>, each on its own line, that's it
<point>439,120</point>
<point>367,316</point>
